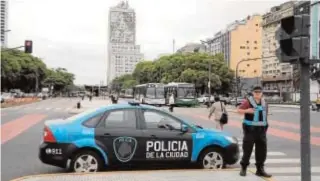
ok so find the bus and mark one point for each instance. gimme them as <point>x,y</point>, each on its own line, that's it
<point>126,93</point>
<point>150,93</point>
<point>184,93</point>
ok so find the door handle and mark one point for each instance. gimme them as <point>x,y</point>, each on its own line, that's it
<point>106,134</point>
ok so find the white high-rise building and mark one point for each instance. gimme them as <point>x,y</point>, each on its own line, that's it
<point>4,22</point>
<point>123,53</point>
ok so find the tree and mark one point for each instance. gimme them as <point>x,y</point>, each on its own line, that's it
<point>24,71</point>
<point>59,78</point>
<point>125,81</point>
<point>21,71</point>
<point>191,68</point>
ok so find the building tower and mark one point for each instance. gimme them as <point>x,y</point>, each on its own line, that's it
<point>123,53</point>
<point>4,22</point>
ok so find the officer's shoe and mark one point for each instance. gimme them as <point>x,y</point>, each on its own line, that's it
<point>243,171</point>
<point>262,173</point>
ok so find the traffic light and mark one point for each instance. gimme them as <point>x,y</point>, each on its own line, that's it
<point>293,36</point>
<point>28,46</point>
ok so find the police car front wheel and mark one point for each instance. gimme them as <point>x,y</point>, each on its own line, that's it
<point>86,161</point>
<point>212,159</point>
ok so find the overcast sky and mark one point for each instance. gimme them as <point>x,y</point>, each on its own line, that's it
<point>73,33</point>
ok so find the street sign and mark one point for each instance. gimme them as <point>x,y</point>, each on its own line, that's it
<point>209,84</point>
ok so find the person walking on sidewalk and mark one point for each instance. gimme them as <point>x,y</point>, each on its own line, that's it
<point>171,102</point>
<point>217,108</point>
<point>255,126</point>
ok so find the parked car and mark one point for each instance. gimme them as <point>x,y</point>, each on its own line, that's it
<point>236,101</point>
<point>6,96</point>
<point>132,133</point>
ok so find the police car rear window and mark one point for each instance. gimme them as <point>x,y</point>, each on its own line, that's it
<point>93,121</point>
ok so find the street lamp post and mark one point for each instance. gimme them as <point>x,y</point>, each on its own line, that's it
<point>209,82</point>
<point>205,46</point>
<point>237,67</point>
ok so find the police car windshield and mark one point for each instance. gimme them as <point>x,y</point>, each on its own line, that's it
<point>77,116</point>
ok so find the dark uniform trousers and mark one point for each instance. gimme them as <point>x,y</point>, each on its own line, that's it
<point>254,136</point>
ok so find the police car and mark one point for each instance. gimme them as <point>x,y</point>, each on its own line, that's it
<point>131,133</point>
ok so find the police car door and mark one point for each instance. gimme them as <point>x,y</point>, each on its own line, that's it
<point>162,143</point>
<point>119,135</point>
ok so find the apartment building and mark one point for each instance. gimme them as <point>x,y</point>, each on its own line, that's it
<point>276,77</point>
<point>238,41</point>
<point>4,23</point>
<point>123,53</point>
<point>246,44</point>
<point>220,43</point>
<point>191,47</point>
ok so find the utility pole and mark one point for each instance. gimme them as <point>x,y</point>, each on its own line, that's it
<point>209,83</point>
<point>173,45</point>
<point>37,82</point>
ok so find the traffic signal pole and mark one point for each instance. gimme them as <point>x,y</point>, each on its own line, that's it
<point>294,39</point>
<point>305,122</point>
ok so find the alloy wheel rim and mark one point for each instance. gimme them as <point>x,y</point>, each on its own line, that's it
<point>213,160</point>
<point>86,163</point>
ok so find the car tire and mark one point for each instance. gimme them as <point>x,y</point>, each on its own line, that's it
<point>211,158</point>
<point>82,157</point>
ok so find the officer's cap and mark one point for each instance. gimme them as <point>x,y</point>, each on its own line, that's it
<point>257,87</point>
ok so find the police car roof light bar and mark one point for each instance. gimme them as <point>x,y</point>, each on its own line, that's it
<point>133,103</point>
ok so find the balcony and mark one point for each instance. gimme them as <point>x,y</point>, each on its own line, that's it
<point>273,78</point>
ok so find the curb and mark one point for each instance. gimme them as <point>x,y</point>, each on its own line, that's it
<point>133,172</point>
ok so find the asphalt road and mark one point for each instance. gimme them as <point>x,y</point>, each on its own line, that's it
<point>19,152</point>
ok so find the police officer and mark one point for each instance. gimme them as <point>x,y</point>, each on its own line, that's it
<point>255,127</point>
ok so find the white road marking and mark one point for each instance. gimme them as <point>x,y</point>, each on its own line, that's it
<point>290,169</point>
<point>271,153</point>
<point>48,108</point>
<point>279,160</point>
<point>38,108</point>
<point>294,178</point>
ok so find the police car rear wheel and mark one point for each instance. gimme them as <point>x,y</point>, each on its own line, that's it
<point>86,161</point>
<point>212,159</point>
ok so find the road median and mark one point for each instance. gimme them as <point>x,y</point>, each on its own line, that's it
<point>150,175</point>
<point>19,102</point>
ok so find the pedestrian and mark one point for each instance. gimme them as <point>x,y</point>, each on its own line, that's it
<point>218,108</point>
<point>171,102</point>
<point>255,126</point>
<point>90,97</point>
<point>318,104</point>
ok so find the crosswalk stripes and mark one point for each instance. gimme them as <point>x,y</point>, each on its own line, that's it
<point>281,166</point>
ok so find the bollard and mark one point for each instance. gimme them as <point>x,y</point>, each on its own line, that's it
<point>78,105</point>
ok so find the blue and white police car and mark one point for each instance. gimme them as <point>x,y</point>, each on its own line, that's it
<point>131,133</point>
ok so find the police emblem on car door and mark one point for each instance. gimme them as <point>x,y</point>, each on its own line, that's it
<point>124,148</point>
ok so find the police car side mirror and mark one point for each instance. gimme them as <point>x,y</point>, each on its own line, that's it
<point>184,128</point>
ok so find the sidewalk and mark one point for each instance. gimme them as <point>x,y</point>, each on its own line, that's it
<point>150,175</point>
